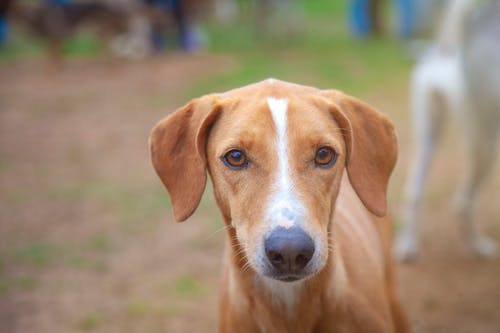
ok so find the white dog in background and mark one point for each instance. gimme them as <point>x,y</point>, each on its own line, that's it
<point>459,76</point>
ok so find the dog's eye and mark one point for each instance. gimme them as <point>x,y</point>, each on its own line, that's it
<point>325,157</point>
<point>235,159</point>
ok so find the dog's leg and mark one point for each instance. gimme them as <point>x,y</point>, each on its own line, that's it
<point>481,145</point>
<point>428,114</point>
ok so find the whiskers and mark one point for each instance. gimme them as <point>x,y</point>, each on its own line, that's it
<point>238,251</point>
<point>246,267</point>
<point>225,227</point>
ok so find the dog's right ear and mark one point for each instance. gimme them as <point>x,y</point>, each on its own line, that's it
<point>371,146</point>
<point>177,146</point>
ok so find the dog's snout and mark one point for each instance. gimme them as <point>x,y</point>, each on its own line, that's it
<point>289,250</point>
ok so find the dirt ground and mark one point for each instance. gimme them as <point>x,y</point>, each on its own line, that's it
<point>87,238</point>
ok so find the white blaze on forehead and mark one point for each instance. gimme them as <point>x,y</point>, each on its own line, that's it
<point>283,205</point>
<point>279,110</point>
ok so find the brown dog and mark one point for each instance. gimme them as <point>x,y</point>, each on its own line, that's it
<point>309,249</point>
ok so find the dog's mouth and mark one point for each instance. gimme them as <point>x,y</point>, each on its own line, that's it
<point>288,276</point>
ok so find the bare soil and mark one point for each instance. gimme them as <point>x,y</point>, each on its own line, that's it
<point>87,239</point>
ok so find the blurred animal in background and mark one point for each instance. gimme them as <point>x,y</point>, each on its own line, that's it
<point>459,76</point>
<point>55,21</point>
<point>302,235</point>
<point>131,30</point>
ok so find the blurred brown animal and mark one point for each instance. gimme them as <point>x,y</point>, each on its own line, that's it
<point>57,23</point>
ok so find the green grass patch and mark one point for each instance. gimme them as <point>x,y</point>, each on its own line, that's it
<point>23,45</point>
<point>137,308</point>
<point>188,286</point>
<point>20,283</point>
<point>44,254</point>
<point>21,48</point>
<point>90,322</point>
<point>37,254</point>
<point>83,44</point>
<point>100,243</point>
<point>132,204</point>
<point>87,255</point>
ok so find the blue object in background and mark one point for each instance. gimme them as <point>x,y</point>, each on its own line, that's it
<point>359,17</point>
<point>413,17</point>
<point>164,4</point>
<point>188,37</point>
<point>4,29</point>
<point>407,15</point>
<point>58,2</point>
<point>158,41</point>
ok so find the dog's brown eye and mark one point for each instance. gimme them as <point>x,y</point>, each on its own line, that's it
<point>235,159</point>
<point>325,157</point>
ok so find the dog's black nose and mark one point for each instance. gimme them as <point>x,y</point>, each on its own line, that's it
<point>289,250</point>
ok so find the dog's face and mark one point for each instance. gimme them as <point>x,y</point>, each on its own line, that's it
<point>276,153</point>
<point>276,164</point>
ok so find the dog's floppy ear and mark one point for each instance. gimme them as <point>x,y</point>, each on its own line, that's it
<point>177,147</point>
<point>371,149</point>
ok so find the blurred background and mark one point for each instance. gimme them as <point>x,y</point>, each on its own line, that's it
<point>87,238</point>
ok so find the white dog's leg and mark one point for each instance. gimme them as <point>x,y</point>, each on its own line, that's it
<point>481,145</point>
<point>428,114</point>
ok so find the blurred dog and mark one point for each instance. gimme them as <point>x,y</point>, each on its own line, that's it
<point>461,74</point>
<point>56,23</point>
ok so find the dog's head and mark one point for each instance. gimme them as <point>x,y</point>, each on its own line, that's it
<point>276,153</point>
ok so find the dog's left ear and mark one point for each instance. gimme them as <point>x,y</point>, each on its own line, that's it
<point>177,147</point>
<point>371,146</point>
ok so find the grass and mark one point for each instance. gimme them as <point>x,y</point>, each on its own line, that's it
<point>188,286</point>
<point>131,204</point>
<point>39,255</point>
<point>24,46</point>
<point>99,243</point>
<point>322,54</point>
<point>137,308</point>
<point>18,283</point>
<point>90,322</point>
